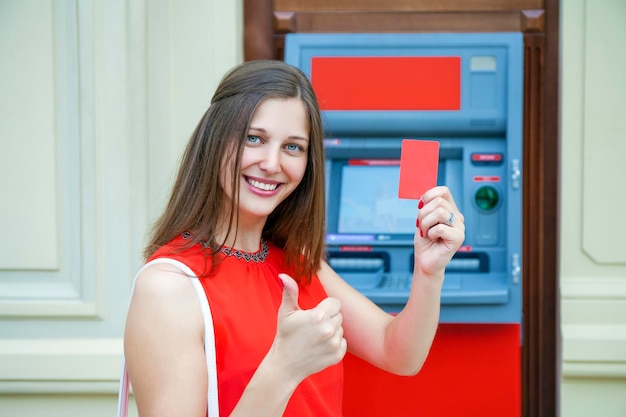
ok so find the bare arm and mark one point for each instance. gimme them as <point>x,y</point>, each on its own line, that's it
<point>164,345</point>
<point>400,344</point>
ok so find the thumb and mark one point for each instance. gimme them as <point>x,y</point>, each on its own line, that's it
<point>290,294</point>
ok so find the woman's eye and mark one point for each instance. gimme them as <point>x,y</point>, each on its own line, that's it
<point>253,139</point>
<point>292,147</point>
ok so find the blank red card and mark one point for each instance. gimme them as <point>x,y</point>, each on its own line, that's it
<point>419,163</point>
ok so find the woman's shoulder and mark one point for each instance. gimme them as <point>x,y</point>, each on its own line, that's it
<point>163,280</point>
<point>164,296</point>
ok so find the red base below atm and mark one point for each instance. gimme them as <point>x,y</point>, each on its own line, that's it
<point>473,370</point>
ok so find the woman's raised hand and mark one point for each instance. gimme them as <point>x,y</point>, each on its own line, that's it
<point>307,341</point>
<point>441,230</point>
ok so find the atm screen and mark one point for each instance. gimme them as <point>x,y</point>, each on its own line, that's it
<point>369,201</point>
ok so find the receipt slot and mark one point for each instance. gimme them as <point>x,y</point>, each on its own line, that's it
<point>465,91</point>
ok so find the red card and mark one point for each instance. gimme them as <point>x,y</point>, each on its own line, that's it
<point>419,163</point>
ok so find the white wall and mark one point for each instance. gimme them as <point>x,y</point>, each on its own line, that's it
<point>593,197</point>
<point>98,99</point>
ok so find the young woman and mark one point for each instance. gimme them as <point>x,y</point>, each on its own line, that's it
<point>246,215</point>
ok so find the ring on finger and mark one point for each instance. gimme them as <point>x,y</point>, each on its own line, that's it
<point>450,219</point>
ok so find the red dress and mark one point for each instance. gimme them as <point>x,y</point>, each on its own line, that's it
<point>244,296</point>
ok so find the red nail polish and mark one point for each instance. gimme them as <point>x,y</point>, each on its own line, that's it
<point>420,205</point>
<point>417,223</point>
<point>421,233</point>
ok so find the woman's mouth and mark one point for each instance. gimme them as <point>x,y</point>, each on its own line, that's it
<point>261,185</point>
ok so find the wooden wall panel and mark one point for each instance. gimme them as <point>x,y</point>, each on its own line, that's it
<point>540,233</point>
<point>406,5</point>
<point>355,21</point>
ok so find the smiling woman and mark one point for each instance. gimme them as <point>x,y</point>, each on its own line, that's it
<point>246,218</point>
<point>260,107</point>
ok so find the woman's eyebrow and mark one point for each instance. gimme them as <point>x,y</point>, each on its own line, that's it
<point>297,137</point>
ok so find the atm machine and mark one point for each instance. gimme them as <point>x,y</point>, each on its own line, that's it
<point>464,91</point>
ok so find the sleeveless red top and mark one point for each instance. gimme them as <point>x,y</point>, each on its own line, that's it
<point>244,296</point>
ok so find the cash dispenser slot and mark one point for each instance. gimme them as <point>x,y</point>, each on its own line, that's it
<point>464,265</point>
<point>469,263</point>
<point>362,270</point>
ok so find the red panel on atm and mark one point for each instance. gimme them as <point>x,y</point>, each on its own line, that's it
<point>472,370</point>
<point>387,83</point>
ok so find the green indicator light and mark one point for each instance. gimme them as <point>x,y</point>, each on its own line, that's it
<point>487,197</point>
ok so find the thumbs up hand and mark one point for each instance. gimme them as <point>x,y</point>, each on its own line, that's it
<point>307,341</point>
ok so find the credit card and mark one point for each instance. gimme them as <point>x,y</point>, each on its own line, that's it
<point>419,163</point>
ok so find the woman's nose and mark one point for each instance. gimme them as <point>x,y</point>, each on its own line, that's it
<point>270,161</point>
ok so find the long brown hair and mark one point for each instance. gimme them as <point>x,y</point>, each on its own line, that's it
<point>297,225</point>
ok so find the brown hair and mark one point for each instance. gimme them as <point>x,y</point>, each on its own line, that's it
<point>197,199</point>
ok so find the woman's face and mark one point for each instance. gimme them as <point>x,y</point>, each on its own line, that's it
<point>274,157</point>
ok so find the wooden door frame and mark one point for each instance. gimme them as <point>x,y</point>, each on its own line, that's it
<point>263,34</point>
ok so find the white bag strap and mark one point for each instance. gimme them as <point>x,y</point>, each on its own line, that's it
<point>209,343</point>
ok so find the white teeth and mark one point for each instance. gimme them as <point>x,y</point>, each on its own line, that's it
<point>262,186</point>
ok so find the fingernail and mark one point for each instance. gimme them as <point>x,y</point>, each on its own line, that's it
<point>421,233</point>
<point>420,205</point>
<point>417,222</point>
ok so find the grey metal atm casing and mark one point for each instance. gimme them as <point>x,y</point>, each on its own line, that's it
<point>480,161</point>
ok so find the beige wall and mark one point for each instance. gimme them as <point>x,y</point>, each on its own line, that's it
<point>98,98</point>
<point>593,196</point>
